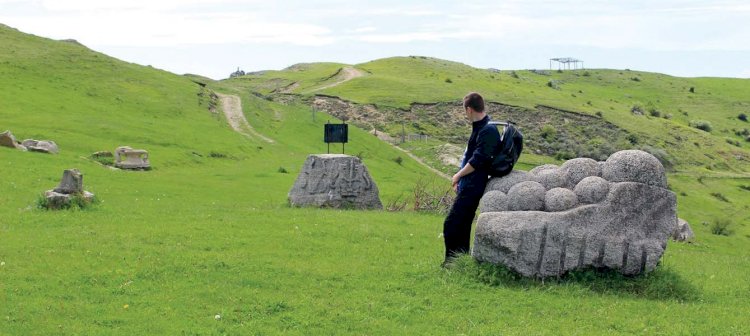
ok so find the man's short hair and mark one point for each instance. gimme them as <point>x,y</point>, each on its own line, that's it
<point>475,101</point>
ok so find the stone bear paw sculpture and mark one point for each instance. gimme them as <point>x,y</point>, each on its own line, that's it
<point>616,214</point>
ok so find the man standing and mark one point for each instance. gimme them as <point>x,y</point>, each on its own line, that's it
<point>471,179</point>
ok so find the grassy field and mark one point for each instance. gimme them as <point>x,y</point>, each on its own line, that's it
<point>208,231</point>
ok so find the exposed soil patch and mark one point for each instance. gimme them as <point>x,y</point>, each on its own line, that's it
<point>547,130</point>
<point>232,107</point>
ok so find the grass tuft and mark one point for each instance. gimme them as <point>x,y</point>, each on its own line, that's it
<point>662,284</point>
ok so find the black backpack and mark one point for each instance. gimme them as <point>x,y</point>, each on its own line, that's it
<point>509,149</point>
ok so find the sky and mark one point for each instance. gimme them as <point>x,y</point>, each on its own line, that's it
<point>215,37</point>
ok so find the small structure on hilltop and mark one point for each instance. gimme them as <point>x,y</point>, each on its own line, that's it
<point>71,186</point>
<point>565,62</point>
<point>237,73</point>
<point>335,181</point>
<point>616,214</point>
<point>128,158</point>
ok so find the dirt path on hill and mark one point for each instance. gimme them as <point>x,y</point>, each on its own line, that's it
<point>232,107</point>
<point>416,158</point>
<point>344,75</point>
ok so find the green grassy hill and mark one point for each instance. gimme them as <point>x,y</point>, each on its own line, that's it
<point>207,232</point>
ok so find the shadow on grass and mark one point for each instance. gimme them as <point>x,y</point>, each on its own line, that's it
<point>661,284</point>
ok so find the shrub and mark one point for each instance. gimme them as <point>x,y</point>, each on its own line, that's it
<point>661,155</point>
<point>733,142</point>
<point>722,227</point>
<point>599,114</point>
<point>448,80</point>
<point>742,117</point>
<point>105,158</point>
<point>635,79</point>
<point>398,160</point>
<point>632,138</point>
<point>636,109</point>
<point>76,202</point>
<point>553,84</point>
<point>396,204</point>
<point>514,74</point>
<point>701,125</point>
<point>692,89</point>
<point>654,113</point>
<point>282,170</point>
<point>668,116</point>
<point>564,155</point>
<point>217,155</point>
<point>586,74</point>
<point>720,197</point>
<point>430,198</point>
<point>548,132</point>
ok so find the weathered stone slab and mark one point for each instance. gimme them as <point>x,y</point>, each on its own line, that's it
<point>622,224</point>
<point>336,181</point>
<point>42,146</point>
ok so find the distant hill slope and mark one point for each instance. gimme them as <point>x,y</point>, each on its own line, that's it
<point>655,109</point>
<point>87,102</point>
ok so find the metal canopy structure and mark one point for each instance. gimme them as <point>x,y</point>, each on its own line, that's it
<point>565,63</point>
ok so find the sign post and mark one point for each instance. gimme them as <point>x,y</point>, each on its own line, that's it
<point>336,133</point>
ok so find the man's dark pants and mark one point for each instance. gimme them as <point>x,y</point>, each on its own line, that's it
<point>457,226</point>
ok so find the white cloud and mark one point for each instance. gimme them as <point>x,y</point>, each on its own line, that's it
<point>364,29</point>
<point>146,28</point>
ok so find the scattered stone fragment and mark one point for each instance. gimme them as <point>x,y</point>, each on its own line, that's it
<point>8,140</point>
<point>683,232</point>
<point>134,159</point>
<point>42,146</point>
<point>71,185</point>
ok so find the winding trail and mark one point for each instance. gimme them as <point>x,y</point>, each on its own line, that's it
<point>344,75</point>
<point>416,158</point>
<point>232,107</point>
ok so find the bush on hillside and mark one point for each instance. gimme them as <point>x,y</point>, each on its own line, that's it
<point>431,198</point>
<point>701,125</point>
<point>662,155</point>
<point>548,132</point>
<point>636,109</point>
<point>742,117</point>
<point>722,227</point>
<point>448,80</point>
<point>733,142</point>
<point>553,84</point>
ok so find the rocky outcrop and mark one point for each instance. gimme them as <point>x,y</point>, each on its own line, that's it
<point>335,181</point>
<point>617,214</point>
